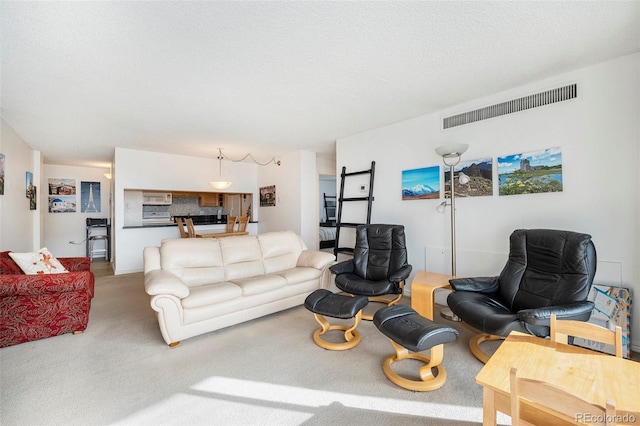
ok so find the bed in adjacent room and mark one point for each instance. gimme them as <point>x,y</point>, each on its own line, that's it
<point>327,236</point>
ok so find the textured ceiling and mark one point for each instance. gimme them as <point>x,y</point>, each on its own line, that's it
<point>80,78</point>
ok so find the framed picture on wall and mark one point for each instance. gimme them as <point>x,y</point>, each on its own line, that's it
<point>421,184</point>
<point>29,184</point>
<point>267,196</point>
<point>480,173</point>
<point>62,203</point>
<point>90,197</point>
<point>530,172</point>
<point>62,195</point>
<point>58,186</point>
<point>33,199</point>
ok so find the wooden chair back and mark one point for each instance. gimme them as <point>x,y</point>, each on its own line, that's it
<point>231,223</point>
<point>183,232</point>
<point>562,329</point>
<point>242,223</point>
<point>551,399</point>
<point>191,230</point>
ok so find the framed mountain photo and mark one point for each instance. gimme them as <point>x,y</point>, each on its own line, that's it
<point>421,184</point>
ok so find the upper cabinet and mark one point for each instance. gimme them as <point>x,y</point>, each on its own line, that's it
<point>209,199</point>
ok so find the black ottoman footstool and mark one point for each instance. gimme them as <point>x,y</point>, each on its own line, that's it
<point>411,333</point>
<point>324,303</point>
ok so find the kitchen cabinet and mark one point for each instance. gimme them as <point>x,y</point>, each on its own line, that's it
<point>209,199</point>
<point>183,194</point>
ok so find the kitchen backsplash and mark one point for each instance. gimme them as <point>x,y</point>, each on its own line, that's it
<point>183,206</point>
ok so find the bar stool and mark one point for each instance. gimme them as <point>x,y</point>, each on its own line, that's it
<point>92,224</point>
<point>93,239</point>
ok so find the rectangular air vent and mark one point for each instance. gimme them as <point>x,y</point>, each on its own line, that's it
<point>532,101</point>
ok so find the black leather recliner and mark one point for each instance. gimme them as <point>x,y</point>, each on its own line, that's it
<point>379,266</point>
<point>548,272</point>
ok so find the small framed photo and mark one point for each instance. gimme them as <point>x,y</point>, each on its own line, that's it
<point>33,203</point>
<point>268,196</point>
<point>29,184</point>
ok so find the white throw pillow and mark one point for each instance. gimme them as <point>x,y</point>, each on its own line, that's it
<point>38,262</point>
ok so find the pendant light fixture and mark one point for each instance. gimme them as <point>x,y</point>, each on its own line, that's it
<point>220,184</point>
<point>223,184</point>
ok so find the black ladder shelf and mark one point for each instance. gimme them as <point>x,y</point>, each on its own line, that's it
<point>341,200</point>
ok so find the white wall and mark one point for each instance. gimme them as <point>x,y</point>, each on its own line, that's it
<point>326,165</point>
<point>296,206</point>
<point>20,227</point>
<point>599,135</point>
<point>61,228</point>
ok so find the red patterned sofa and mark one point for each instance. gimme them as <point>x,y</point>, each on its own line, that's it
<point>38,306</point>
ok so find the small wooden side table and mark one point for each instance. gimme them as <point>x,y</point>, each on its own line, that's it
<point>423,287</point>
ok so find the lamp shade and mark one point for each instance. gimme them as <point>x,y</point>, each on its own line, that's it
<point>220,184</point>
<point>452,150</point>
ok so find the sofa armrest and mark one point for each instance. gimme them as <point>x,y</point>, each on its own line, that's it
<point>75,264</point>
<point>315,259</point>
<point>159,281</point>
<point>31,285</point>
<point>151,258</point>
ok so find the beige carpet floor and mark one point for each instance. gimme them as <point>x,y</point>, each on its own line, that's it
<point>264,372</point>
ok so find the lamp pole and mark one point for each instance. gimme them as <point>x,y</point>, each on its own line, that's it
<point>453,219</point>
<point>451,157</point>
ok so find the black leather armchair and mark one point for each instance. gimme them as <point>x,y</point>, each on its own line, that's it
<point>379,266</point>
<point>548,272</point>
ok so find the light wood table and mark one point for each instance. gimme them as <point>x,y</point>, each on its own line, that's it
<point>591,375</point>
<point>423,287</point>
<point>221,234</point>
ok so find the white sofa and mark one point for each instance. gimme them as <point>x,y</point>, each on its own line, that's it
<point>198,285</point>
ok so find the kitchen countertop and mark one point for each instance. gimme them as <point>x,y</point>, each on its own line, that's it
<point>206,219</point>
<point>163,225</point>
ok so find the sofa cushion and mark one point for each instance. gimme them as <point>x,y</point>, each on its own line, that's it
<point>280,250</point>
<point>38,262</point>
<point>242,257</point>
<point>196,261</point>
<point>260,284</point>
<point>210,294</point>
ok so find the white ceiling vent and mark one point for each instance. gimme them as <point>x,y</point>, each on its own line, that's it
<point>532,101</point>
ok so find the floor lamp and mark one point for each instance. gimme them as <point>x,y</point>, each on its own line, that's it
<point>451,157</point>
